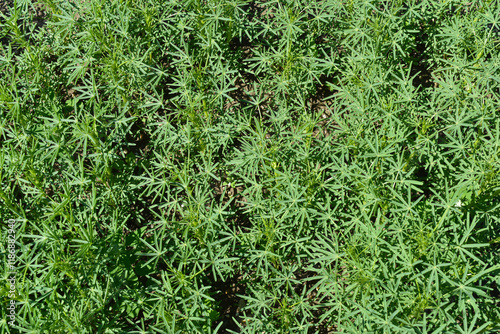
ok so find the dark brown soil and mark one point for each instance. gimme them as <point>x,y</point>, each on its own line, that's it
<point>5,5</point>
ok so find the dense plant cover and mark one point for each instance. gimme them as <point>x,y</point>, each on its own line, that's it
<point>230,166</point>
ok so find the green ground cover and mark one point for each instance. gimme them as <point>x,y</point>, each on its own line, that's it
<point>230,166</point>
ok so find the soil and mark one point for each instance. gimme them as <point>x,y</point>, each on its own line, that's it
<point>4,5</point>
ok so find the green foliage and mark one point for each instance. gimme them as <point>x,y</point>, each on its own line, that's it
<point>233,166</point>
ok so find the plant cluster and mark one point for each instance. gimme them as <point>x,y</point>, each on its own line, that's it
<point>235,166</point>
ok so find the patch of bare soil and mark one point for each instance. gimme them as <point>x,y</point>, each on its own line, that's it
<point>5,5</point>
